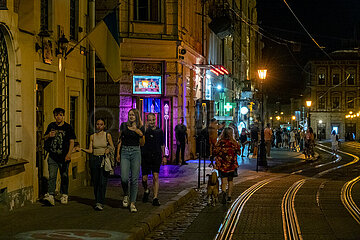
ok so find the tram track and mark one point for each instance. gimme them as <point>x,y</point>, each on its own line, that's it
<point>291,225</point>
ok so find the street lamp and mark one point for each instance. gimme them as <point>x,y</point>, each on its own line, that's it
<point>262,155</point>
<point>308,104</point>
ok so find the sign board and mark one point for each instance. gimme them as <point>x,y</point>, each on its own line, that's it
<point>147,85</point>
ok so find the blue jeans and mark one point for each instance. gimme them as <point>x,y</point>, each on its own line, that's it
<point>54,166</point>
<point>130,164</point>
<point>99,178</point>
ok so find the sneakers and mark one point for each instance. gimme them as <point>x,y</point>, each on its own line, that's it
<point>228,199</point>
<point>125,201</point>
<point>156,202</point>
<point>133,208</point>
<point>146,196</point>
<point>49,199</point>
<point>99,207</point>
<point>64,199</point>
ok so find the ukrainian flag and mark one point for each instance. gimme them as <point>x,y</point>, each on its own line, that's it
<point>105,40</point>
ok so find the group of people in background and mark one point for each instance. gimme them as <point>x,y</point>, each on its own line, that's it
<point>137,145</point>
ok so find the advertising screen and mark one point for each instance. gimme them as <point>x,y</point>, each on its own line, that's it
<point>147,85</point>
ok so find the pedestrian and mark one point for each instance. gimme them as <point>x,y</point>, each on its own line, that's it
<point>334,142</point>
<point>129,156</point>
<point>278,135</point>
<point>181,141</point>
<point>236,131</point>
<point>226,151</point>
<point>254,132</point>
<point>59,143</point>
<point>213,128</point>
<point>309,143</point>
<point>302,139</point>
<point>100,147</point>
<point>267,137</point>
<point>221,127</point>
<point>243,140</point>
<point>292,146</point>
<point>153,154</point>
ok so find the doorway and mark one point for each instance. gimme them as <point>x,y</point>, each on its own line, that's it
<point>40,152</point>
<point>350,131</point>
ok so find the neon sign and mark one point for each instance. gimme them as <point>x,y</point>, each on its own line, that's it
<point>147,85</point>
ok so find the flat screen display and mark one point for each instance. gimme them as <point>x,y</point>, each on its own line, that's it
<point>147,85</point>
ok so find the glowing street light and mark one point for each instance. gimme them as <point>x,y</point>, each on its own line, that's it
<point>262,155</point>
<point>308,104</point>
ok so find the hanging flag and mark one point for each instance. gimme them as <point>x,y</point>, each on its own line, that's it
<point>104,38</point>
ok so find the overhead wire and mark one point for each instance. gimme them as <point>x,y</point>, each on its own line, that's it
<point>322,49</point>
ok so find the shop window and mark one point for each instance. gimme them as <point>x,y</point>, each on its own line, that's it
<point>74,15</point>
<point>4,102</point>
<point>321,79</point>
<point>147,10</point>
<point>336,78</point>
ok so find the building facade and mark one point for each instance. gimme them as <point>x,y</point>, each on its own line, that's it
<point>169,52</point>
<point>334,90</point>
<point>35,78</point>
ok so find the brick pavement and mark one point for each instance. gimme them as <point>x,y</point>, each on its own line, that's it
<point>79,220</point>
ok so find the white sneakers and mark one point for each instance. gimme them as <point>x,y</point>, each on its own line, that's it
<point>125,201</point>
<point>133,208</point>
<point>64,199</point>
<point>49,199</point>
<point>99,207</point>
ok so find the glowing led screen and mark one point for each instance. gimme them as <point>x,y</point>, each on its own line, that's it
<point>147,85</point>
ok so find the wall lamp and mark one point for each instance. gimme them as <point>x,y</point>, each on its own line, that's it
<point>62,46</point>
<point>44,37</point>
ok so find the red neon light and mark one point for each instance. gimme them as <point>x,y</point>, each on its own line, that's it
<point>224,70</point>
<point>217,68</point>
<point>214,72</point>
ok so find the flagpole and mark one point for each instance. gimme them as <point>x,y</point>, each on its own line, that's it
<point>71,49</point>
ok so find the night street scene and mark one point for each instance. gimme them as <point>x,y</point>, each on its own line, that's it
<point>179,119</point>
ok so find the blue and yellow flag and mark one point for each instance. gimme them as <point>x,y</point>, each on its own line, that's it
<point>105,40</point>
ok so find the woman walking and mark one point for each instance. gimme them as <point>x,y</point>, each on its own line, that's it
<point>334,142</point>
<point>243,139</point>
<point>101,144</point>
<point>309,143</point>
<point>226,151</point>
<point>129,156</point>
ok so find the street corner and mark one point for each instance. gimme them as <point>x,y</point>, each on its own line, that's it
<point>72,234</point>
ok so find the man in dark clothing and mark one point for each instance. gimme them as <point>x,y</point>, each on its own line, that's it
<point>181,139</point>
<point>59,143</point>
<point>152,151</point>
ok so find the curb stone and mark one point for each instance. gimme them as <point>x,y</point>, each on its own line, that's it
<point>155,219</point>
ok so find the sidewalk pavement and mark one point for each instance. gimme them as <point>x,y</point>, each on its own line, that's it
<point>78,220</point>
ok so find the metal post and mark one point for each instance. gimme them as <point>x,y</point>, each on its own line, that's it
<point>309,118</point>
<point>199,165</point>
<point>204,160</point>
<point>262,155</point>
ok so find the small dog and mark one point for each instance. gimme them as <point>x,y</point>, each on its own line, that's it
<point>212,188</point>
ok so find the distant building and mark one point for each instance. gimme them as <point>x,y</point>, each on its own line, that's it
<point>334,88</point>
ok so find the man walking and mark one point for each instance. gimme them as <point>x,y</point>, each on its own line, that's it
<point>181,139</point>
<point>268,138</point>
<point>152,151</point>
<point>59,143</point>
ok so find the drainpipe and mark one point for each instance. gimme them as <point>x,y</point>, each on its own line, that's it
<point>91,70</point>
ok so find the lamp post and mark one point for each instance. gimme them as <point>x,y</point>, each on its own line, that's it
<point>261,160</point>
<point>308,104</point>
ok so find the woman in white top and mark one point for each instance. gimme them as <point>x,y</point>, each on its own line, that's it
<point>100,144</point>
<point>292,140</point>
<point>334,142</point>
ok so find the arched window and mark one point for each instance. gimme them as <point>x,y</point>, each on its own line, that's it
<point>4,101</point>
<point>350,76</point>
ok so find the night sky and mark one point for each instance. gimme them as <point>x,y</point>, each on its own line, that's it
<point>334,24</point>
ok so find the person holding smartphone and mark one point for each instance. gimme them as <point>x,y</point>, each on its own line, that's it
<point>59,143</point>
<point>129,156</point>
